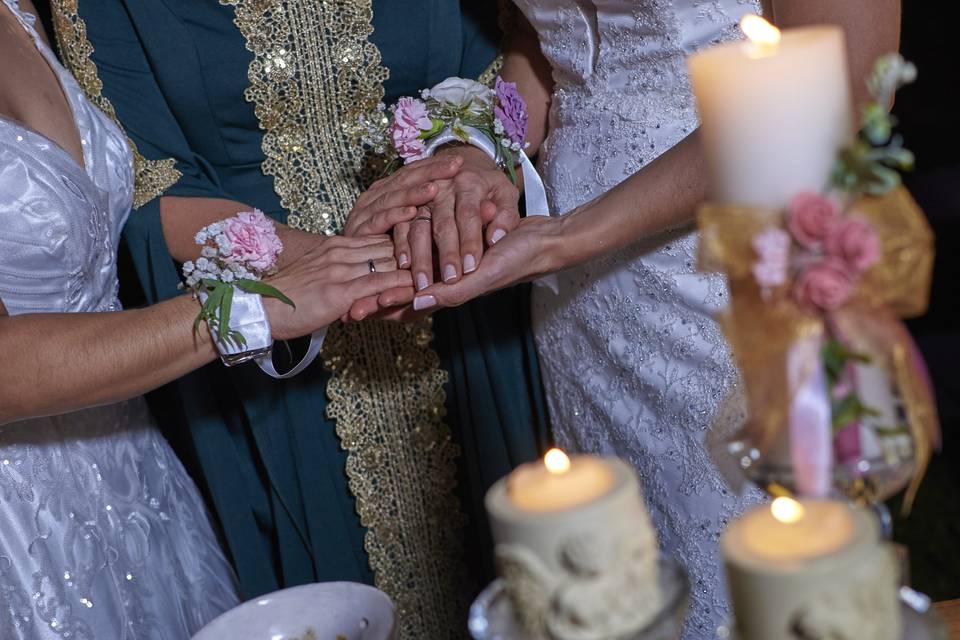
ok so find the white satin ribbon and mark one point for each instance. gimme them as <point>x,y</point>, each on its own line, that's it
<point>534,193</point>
<point>249,317</point>
<point>316,342</point>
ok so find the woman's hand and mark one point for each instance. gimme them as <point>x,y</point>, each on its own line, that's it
<point>534,248</point>
<point>454,219</point>
<point>328,279</point>
<point>395,199</point>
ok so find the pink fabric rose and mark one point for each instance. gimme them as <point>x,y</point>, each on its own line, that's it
<point>855,242</point>
<point>410,118</point>
<point>773,257</point>
<point>810,216</point>
<point>824,285</point>
<point>253,240</point>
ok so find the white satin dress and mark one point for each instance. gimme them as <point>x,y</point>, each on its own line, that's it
<point>103,536</point>
<point>633,362</point>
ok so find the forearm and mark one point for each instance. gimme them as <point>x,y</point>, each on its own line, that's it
<point>660,197</point>
<point>60,362</point>
<point>182,218</point>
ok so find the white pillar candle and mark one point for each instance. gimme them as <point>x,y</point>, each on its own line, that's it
<point>774,111</point>
<point>558,483</point>
<point>575,547</point>
<point>817,566</point>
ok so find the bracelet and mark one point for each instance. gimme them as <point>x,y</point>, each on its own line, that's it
<point>235,255</point>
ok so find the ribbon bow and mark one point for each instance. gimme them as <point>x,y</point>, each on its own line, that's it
<point>778,344</point>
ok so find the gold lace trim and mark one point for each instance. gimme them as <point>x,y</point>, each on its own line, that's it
<point>313,74</point>
<point>152,177</point>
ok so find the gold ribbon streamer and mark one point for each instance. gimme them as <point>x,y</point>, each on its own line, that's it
<point>761,327</point>
<point>314,73</point>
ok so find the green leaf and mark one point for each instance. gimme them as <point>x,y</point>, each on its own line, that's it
<point>226,304</point>
<point>845,411</point>
<point>263,289</point>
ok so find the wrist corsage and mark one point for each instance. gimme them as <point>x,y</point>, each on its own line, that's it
<point>456,110</point>
<point>236,254</point>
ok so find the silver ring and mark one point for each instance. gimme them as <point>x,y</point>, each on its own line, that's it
<point>423,219</point>
<point>372,265</point>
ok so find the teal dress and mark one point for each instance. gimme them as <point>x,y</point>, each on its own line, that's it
<point>264,451</point>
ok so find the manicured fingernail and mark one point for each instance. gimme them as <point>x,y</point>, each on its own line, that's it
<point>424,302</point>
<point>403,260</point>
<point>469,264</point>
<point>449,273</point>
<point>497,236</point>
<point>422,282</point>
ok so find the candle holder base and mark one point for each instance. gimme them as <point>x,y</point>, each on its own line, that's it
<point>920,621</point>
<point>491,615</point>
<point>866,481</point>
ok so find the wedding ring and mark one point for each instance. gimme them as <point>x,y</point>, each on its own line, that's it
<point>372,265</point>
<point>423,219</point>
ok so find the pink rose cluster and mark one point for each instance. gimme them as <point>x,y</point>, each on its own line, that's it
<point>252,240</point>
<point>834,251</point>
<point>410,119</point>
<point>839,249</point>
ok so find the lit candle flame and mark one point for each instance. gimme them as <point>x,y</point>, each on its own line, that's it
<point>557,462</point>
<point>787,510</point>
<point>759,31</point>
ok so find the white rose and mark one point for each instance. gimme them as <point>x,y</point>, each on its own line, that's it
<point>463,92</point>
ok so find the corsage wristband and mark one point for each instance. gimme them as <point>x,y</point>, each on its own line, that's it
<point>235,255</point>
<point>467,112</point>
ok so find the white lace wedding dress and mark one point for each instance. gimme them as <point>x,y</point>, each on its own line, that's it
<point>103,536</point>
<point>633,363</point>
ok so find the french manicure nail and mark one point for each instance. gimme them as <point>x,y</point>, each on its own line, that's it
<point>497,236</point>
<point>424,302</point>
<point>403,260</point>
<point>422,281</point>
<point>449,273</point>
<point>469,264</point>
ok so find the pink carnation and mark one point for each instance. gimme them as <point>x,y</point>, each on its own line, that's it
<point>410,118</point>
<point>855,242</point>
<point>824,285</point>
<point>773,257</point>
<point>253,240</point>
<point>810,216</point>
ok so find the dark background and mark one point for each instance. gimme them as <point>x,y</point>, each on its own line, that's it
<point>929,114</point>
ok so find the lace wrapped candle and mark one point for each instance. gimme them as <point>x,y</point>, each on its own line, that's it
<point>575,548</point>
<point>815,569</point>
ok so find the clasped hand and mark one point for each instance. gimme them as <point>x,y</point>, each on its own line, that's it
<point>444,214</point>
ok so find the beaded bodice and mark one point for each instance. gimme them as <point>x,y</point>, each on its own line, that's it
<point>60,222</point>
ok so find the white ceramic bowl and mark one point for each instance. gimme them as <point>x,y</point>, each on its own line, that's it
<point>326,611</point>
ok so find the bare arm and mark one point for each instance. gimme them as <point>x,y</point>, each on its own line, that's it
<point>58,362</point>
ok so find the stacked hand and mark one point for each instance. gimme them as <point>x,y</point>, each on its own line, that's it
<point>447,215</point>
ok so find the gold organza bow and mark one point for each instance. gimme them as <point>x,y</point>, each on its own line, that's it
<point>762,326</point>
